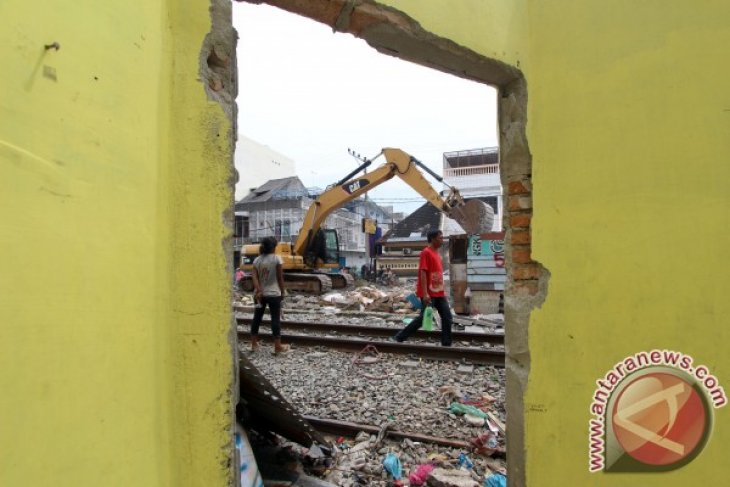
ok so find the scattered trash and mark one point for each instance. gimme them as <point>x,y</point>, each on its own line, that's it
<point>495,480</point>
<point>486,443</point>
<point>465,462</point>
<point>473,420</point>
<point>392,465</point>
<point>458,408</point>
<point>438,457</point>
<point>420,475</point>
<point>248,470</point>
<point>414,300</point>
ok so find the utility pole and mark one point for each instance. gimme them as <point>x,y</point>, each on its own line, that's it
<point>367,235</point>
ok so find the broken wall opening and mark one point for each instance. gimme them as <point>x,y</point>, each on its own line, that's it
<point>393,33</point>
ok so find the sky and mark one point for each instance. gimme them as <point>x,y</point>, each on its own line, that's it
<point>310,94</point>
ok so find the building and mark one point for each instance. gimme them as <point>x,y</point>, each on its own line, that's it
<point>475,173</point>
<point>257,163</point>
<point>398,250</point>
<point>277,208</point>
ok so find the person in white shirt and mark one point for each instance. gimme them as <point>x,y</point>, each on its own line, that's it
<point>268,283</point>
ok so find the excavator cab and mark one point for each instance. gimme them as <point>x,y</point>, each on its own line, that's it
<point>323,250</point>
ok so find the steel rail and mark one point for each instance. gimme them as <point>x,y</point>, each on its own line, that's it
<point>433,352</point>
<point>378,331</point>
<point>350,430</point>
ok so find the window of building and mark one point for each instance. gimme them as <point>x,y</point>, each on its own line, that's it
<point>282,229</point>
<point>241,228</point>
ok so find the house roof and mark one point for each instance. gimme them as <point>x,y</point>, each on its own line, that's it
<point>416,225</point>
<point>276,189</point>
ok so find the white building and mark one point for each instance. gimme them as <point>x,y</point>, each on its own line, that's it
<point>257,163</point>
<point>475,173</point>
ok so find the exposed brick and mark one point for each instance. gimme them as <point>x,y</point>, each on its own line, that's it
<point>521,255</point>
<point>521,220</point>
<point>520,237</point>
<point>525,272</point>
<point>519,203</point>
<point>517,187</point>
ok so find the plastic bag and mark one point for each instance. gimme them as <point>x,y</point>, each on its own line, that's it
<point>465,462</point>
<point>428,318</point>
<point>458,408</point>
<point>496,480</point>
<point>420,475</point>
<point>392,465</point>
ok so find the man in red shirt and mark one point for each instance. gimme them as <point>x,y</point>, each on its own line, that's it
<point>430,288</point>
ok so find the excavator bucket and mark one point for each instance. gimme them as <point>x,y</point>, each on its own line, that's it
<point>474,216</point>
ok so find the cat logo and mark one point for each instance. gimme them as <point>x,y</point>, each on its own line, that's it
<point>355,185</point>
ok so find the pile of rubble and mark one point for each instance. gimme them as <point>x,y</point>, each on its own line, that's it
<point>363,299</point>
<point>458,403</point>
<point>368,298</point>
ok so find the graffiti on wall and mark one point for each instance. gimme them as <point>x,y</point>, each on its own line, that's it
<point>493,249</point>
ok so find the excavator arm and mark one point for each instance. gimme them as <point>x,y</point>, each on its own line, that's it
<point>398,163</point>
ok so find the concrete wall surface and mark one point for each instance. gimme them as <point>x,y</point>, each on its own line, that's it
<point>115,180</point>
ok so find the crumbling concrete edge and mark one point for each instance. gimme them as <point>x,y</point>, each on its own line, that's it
<point>527,280</point>
<point>218,72</point>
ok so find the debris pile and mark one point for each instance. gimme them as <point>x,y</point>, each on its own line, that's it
<point>389,394</point>
<point>367,298</point>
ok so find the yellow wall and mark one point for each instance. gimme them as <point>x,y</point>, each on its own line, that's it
<point>628,122</point>
<point>628,128</point>
<point>115,362</point>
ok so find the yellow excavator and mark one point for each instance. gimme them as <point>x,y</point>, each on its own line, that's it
<point>308,262</point>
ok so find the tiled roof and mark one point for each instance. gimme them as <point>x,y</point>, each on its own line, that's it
<point>276,189</point>
<point>417,224</point>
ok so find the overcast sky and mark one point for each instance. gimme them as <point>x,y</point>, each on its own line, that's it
<point>311,94</point>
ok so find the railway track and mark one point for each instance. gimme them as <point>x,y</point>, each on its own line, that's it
<point>378,331</point>
<point>474,355</point>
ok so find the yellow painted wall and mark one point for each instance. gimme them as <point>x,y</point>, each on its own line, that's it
<point>629,117</point>
<point>114,167</point>
<point>628,122</point>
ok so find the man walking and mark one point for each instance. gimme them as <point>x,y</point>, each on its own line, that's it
<point>430,288</point>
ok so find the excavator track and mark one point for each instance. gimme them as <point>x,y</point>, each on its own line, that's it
<point>301,283</point>
<point>307,283</point>
<point>342,281</point>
